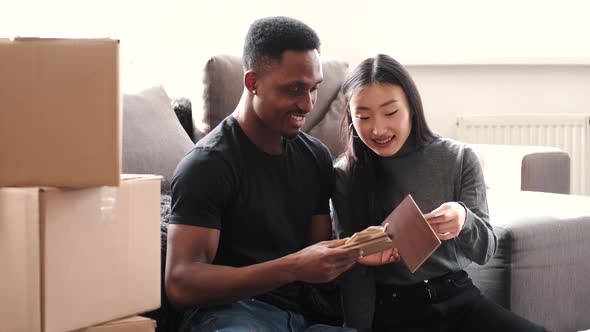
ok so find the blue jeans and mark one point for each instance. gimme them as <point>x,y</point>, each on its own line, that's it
<point>253,315</point>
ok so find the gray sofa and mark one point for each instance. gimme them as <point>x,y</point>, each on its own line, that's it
<point>539,271</point>
<point>541,268</point>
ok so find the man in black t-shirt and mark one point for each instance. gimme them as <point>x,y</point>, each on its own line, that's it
<point>250,203</point>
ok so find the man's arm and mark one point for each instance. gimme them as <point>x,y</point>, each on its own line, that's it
<point>191,279</point>
<point>320,228</point>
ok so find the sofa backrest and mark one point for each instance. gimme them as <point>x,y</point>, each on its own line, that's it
<point>529,168</point>
<point>223,78</point>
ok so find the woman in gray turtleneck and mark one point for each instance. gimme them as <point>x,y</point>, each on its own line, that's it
<point>391,153</point>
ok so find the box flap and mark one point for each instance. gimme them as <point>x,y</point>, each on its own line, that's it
<point>135,177</point>
<point>36,39</point>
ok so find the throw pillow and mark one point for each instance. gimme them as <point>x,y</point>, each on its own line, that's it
<point>335,71</point>
<point>153,138</point>
<point>328,130</point>
<point>222,88</point>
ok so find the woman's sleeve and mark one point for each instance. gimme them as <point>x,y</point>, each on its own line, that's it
<point>357,285</point>
<point>477,239</point>
<point>339,204</point>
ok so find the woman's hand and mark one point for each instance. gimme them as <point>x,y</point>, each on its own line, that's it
<point>381,258</point>
<point>447,220</point>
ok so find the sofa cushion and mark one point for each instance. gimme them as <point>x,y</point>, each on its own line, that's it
<point>153,138</point>
<point>328,130</point>
<point>223,86</point>
<point>494,278</point>
<point>541,268</point>
<point>335,71</point>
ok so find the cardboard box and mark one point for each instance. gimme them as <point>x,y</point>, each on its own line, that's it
<point>60,113</point>
<point>131,324</point>
<point>72,258</point>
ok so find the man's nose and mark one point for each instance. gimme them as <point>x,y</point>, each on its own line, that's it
<point>306,102</point>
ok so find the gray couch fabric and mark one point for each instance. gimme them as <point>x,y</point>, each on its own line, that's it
<point>546,172</point>
<point>493,279</point>
<point>541,268</point>
<point>153,138</point>
<point>223,86</point>
<point>329,129</point>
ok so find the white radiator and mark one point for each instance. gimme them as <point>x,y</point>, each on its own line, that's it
<point>568,132</point>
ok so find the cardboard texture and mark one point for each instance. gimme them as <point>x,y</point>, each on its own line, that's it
<point>131,324</point>
<point>19,256</point>
<point>411,234</point>
<point>79,257</point>
<point>60,113</point>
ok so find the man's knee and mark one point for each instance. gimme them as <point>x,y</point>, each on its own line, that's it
<point>237,317</point>
<point>229,323</point>
<point>328,328</point>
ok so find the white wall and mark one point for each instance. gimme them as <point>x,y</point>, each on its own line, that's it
<point>168,41</point>
<point>427,36</point>
<point>448,90</point>
<point>423,31</point>
<point>153,34</point>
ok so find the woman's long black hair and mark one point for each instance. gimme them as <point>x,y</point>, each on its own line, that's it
<point>361,161</point>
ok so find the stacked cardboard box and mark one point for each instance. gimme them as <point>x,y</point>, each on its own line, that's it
<point>79,242</point>
<point>60,118</point>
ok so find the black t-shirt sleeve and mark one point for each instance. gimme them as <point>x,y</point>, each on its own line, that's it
<point>327,182</point>
<point>202,188</point>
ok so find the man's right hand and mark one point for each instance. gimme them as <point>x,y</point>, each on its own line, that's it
<point>193,281</point>
<point>323,261</point>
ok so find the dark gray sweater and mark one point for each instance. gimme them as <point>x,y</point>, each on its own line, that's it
<point>441,171</point>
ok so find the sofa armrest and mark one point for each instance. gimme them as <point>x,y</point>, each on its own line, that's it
<point>541,269</point>
<point>546,171</point>
<point>531,168</point>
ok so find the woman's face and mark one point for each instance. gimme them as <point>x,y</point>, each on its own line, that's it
<point>381,116</point>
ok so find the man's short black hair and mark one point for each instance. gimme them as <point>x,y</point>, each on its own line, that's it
<point>269,37</point>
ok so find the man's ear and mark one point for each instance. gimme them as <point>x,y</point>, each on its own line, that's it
<point>250,81</point>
